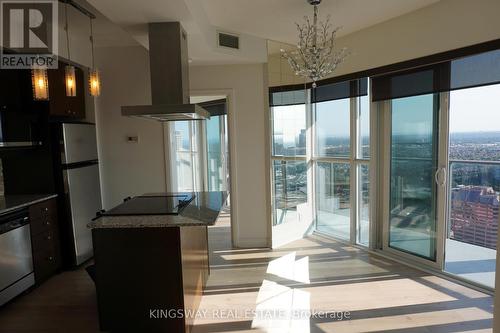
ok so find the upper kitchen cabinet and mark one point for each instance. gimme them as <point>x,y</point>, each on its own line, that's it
<point>61,105</point>
<point>15,89</point>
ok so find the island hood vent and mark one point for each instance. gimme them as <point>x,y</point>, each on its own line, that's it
<point>169,66</point>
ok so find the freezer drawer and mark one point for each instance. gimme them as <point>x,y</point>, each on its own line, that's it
<point>80,143</point>
<point>83,189</point>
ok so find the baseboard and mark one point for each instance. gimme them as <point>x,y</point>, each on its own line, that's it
<point>248,243</point>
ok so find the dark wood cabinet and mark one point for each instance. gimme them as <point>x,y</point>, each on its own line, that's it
<point>15,89</point>
<point>61,105</point>
<point>45,239</point>
<point>16,93</point>
<point>139,270</point>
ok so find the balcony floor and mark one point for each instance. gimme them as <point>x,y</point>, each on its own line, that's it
<point>472,262</point>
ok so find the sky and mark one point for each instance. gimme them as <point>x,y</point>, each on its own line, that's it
<point>471,110</point>
<point>332,119</point>
<point>475,109</point>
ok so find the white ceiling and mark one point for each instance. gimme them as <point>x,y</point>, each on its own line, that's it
<point>275,19</point>
<point>254,21</point>
<point>106,33</point>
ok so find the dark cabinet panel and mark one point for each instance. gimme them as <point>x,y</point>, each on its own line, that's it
<point>57,91</point>
<point>60,104</point>
<point>9,88</point>
<point>41,225</point>
<point>45,239</point>
<point>76,105</point>
<point>20,116</point>
<point>43,210</point>
<point>16,91</point>
<point>45,264</point>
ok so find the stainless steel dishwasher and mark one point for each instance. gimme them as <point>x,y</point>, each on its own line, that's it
<point>16,262</point>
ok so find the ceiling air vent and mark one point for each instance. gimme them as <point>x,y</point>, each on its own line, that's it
<point>227,40</point>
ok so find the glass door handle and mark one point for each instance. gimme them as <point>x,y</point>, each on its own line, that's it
<point>440,176</point>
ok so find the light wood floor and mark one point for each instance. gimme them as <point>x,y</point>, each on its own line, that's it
<point>310,275</point>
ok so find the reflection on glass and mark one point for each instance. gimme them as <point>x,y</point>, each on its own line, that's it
<point>413,164</point>
<point>290,189</point>
<point>333,206</point>
<point>474,153</point>
<point>289,130</point>
<point>333,128</point>
<point>183,163</point>
<point>363,205</point>
<point>364,127</point>
<point>214,154</point>
<point>182,136</point>
<point>184,154</point>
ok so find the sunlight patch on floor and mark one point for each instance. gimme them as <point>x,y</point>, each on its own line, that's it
<point>281,309</point>
<point>381,294</point>
<point>406,321</point>
<point>288,268</point>
<point>275,254</point>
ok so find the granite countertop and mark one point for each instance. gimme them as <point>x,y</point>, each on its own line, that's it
<point>203,210</point>
<point>12,202</point>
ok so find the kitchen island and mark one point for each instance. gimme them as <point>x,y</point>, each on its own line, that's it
<point>151,260</point>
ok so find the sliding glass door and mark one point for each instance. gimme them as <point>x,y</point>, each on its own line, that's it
<point>441,165</point>
<point>474,184</point>
<point>413,165</point>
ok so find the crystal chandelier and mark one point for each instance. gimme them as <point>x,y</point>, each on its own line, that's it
<point>315,57</point>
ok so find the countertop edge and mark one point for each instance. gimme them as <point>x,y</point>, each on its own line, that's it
<point>28,203</point>
<point>158,221</point>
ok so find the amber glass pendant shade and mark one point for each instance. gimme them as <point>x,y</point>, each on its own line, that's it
<point>40,84</point>
<point>94,82</point>
<point>70,80</point>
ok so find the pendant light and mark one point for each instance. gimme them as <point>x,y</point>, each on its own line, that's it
<point>69,70</point>
<point>94,78</point>
<point>40,84</point>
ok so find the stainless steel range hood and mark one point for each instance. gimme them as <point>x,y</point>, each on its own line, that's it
<point>169,66</point>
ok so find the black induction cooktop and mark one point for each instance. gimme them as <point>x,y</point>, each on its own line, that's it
<point>152,205</point>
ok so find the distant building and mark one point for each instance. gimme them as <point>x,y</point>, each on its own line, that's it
<point>474,215</point>
<point>302,138</point>
<point>178,140</point>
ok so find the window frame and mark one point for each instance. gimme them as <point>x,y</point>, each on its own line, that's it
<point>286,158</point>
<point>355,160</point>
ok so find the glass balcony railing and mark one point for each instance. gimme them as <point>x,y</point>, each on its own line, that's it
<point>290,189</point>
<point>472,228</point>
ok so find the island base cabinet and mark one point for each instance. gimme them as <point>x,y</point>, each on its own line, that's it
<point>195,267</point>
<point>147,278</point>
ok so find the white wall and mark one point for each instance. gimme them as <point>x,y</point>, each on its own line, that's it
<point>127,169</point>
<point>446,25</point>
<point>443,26</point>
<point>248,137</point>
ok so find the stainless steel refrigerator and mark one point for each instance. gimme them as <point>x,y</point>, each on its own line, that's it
<point>78,172</point>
